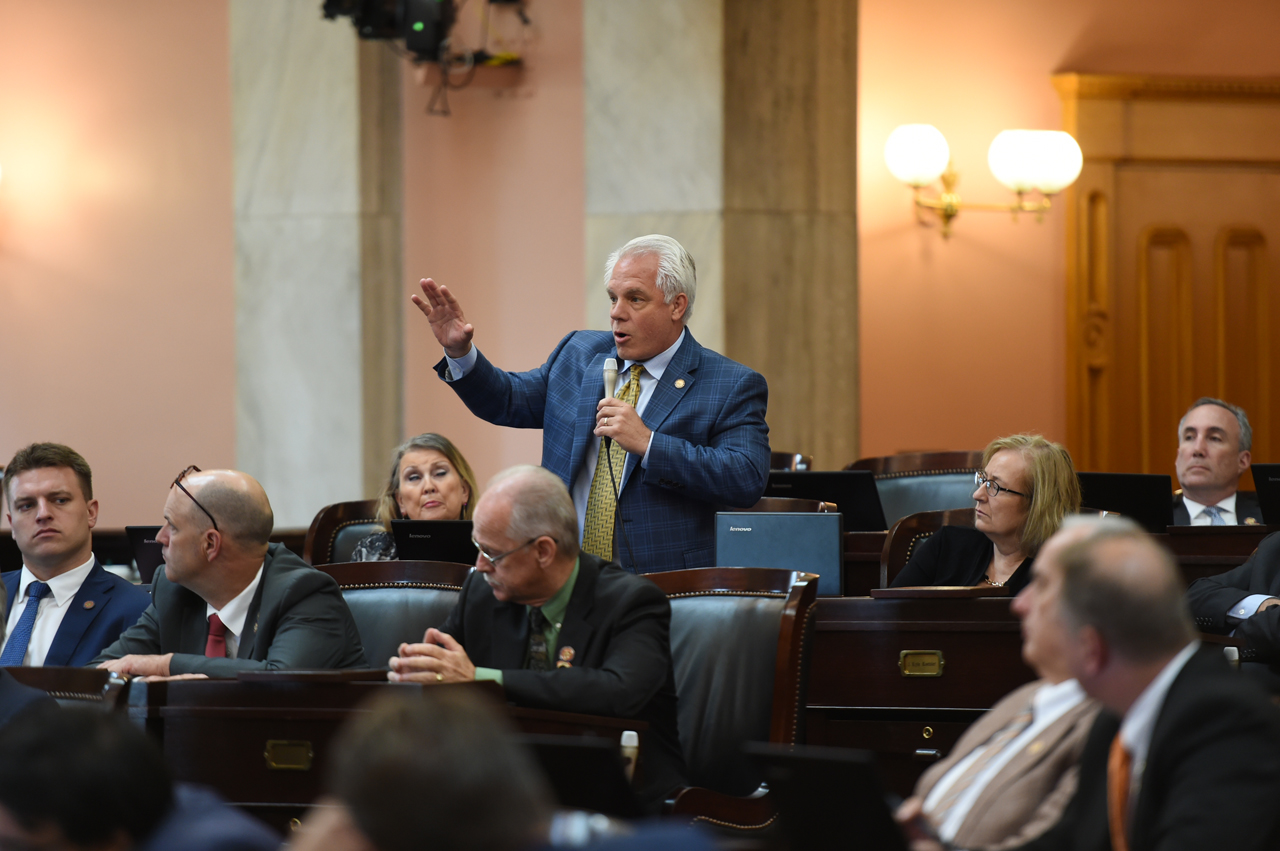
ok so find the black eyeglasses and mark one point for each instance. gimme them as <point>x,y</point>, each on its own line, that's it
<point>993,489</point>
<point>493,560</point>
<point>178,481</point>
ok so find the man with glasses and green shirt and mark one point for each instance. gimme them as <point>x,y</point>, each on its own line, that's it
<point>559,628</point>
<point>227,599</point>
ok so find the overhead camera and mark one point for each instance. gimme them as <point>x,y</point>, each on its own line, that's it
<point>423,24</point>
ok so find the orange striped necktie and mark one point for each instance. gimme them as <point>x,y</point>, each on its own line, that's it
<point>1119,775</point>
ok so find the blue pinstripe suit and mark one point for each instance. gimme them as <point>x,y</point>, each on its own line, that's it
<point>710,447</point>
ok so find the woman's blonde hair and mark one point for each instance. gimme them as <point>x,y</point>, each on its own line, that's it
<point>389,510</point>
<point>1055,490</point>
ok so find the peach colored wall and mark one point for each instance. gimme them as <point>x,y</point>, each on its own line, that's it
<point>116,252</point>
<point>963,340</point>
<point>494,208</point>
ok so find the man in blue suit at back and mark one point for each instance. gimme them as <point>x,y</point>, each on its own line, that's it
<point>687,425</point>
<point>63,607</point>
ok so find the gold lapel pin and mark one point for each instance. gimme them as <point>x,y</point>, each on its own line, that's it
<point>88,604</point>
<point>679,383</point>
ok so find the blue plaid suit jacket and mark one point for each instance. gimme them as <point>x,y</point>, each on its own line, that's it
<point>710,448</point>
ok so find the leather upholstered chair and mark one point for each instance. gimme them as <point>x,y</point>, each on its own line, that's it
<point>911,530</point>
<point>337,529</point>
<point>922,481</point>
<point>790,461</point>
<point>786,503</point>
<point>395,601</point>
<point>740,642</point>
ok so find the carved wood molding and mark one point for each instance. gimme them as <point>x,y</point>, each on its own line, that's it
<point>1135,87</point>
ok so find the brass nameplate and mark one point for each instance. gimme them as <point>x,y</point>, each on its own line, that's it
<point>284,755</point>
<point>921,663</point>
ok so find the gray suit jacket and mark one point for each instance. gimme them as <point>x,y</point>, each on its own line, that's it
<point>1028,795</point>
<point>297,620</point>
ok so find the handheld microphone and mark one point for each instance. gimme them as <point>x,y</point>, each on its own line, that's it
<point>610,384</point>
<point>610,376</point>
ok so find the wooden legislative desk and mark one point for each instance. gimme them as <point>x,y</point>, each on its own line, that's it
<point>859,696</point>
<point>264,742</point>
<point>1210,550</point>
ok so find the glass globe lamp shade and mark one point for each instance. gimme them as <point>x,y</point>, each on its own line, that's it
<point>917,154</point>
<point>1047,160</point>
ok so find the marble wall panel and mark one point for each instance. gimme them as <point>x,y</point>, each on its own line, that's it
<point>298,419</point>
<point>653,73</point>
<point>317,206</point>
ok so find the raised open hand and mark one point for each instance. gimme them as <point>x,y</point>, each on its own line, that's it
<point>444,313</point>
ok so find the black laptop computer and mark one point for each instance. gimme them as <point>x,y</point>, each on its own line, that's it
<point>1145,498</point>
<point>828,797</point>
<point>434,540</point>
<point>853,492</point>
<point>146,550</point>
<point>1266,479</point>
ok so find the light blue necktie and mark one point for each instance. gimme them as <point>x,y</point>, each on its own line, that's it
<point>1215,515</point>
<point>16,650</point>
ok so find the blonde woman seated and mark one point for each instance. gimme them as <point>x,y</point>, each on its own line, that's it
<point>430,480</point>
<point>1024,489</point>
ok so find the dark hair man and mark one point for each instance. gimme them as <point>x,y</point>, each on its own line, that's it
<point>63,607</point>
<point>228,600</point>
<point>1214,443</point>
<point>687,424</point>
<point>1187,753</point>
<point>558,628</point>
<point>92,781</point>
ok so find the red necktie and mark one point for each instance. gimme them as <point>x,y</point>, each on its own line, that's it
<point>215,647</point>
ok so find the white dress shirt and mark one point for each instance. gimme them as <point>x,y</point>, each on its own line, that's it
<point>1050,702</point>
<point>649,378</point>
<point>1198,518</point>
<point>233,613</point>
<point>54,606</point>
<point>1140,721</point>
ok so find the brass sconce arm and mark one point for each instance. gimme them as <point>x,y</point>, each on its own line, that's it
<point>947,204</point>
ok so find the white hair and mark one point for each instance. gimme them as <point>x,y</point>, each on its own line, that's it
<point>676,272</point>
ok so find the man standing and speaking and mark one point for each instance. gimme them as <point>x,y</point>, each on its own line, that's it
<point>685,427</point>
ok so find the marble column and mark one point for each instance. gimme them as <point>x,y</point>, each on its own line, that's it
<point>790,220</point>
<point>730,125</point>
<point>317,224</point>
<point>655,141</point>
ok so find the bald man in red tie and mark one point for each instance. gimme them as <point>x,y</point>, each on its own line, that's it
<point>227,599</point>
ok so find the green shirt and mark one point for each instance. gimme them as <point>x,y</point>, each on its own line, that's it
<point>553,610</point>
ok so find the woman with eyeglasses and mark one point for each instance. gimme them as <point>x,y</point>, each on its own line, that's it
<point>430,480</point>
<point>1024,489</point>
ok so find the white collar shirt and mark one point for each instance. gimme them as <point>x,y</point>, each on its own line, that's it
<point>53,608</point>
<point>233,614</point>
<point>1198,518</point>
<point>1050,702</point>
<point>1140,721</point>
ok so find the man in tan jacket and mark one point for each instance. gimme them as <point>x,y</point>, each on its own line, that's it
<point>1012,773</point>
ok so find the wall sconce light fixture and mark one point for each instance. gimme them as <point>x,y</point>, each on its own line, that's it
<point>1043,161</point>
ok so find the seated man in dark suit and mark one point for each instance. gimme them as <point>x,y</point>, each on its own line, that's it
<point>63,607</point>
<point>1245,602</point>
<point>559,628</point>
<point>1214,439</point>
<point>1187,752</point>
<point>84,779</point>
<point>227,599</point>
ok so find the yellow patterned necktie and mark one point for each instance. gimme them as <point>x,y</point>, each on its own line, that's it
<point>597,536</point>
